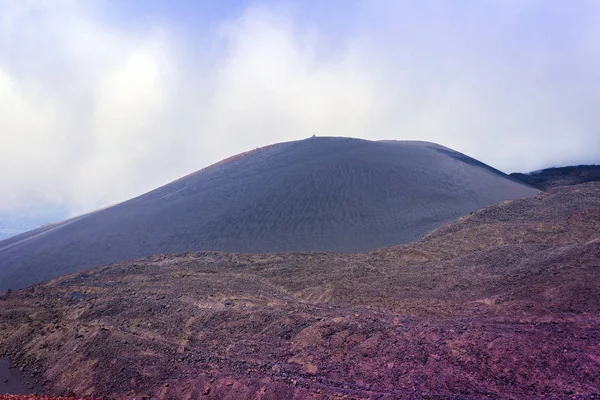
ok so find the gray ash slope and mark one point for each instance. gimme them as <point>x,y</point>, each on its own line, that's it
<point>318,194</point>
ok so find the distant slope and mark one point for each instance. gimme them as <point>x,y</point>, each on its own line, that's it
<point>551,177</point>
<point>319,194</point>
<point>501,304</point>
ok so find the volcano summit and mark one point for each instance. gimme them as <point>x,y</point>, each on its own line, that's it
<point>319,194</point>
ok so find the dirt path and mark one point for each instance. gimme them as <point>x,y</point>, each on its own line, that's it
<point>12,382</point>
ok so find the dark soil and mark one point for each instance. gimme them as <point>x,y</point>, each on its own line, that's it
<point>320,194</point>
<point>503,303</point>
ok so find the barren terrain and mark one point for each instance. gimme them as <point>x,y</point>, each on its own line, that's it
<point>502,303</point>
<point>552,177</point>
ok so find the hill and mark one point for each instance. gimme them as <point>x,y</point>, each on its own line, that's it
<point>552,177</point>
<point>319,194</point>
<point>503,303</point>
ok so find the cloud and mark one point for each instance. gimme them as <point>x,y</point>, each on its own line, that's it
<point>81,102</point>
<point>95,110</point>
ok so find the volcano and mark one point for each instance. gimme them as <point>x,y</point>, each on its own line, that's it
<point>314,195</point>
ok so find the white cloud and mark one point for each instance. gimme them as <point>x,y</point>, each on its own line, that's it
<point>271,84</point>
<point>93,112</point>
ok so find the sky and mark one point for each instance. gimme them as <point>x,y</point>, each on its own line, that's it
<point>103,100</point>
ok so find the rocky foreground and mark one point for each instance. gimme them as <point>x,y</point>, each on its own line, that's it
<point>503,303</point>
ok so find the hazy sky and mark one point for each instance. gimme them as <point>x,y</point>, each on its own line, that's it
<point>103,100</point>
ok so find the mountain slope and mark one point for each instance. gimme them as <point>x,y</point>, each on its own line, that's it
<point>319,194</point>
<point>503,303</point>
<point>551,177</point>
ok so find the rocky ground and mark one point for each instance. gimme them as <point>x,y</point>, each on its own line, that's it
<point>503,303</point>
